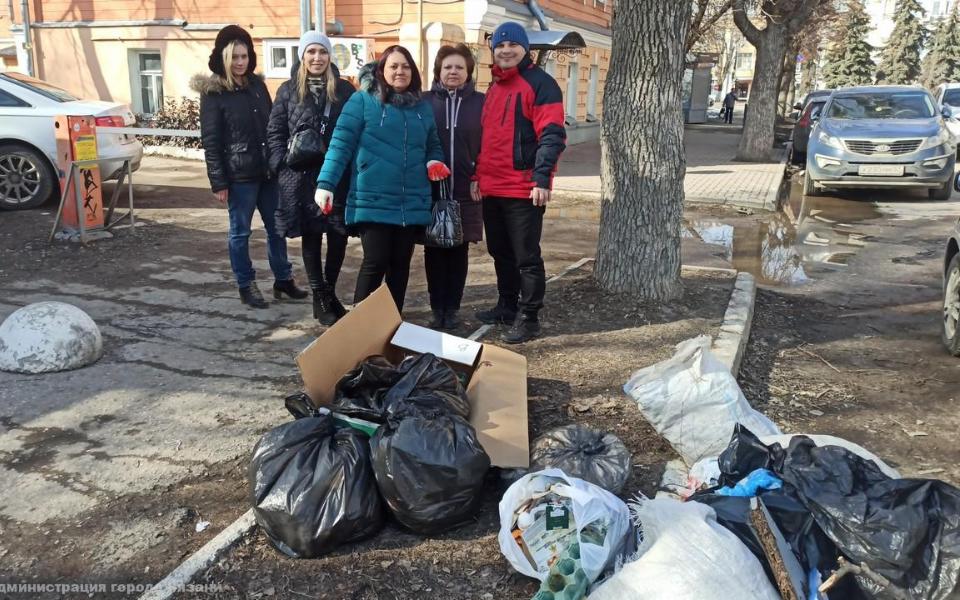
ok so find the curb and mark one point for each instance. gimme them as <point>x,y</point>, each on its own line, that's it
<point>728,346</point>
<point>177,580</point>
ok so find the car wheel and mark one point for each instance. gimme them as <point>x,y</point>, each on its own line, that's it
<point>808,188</point>
<point>798,158</point>
<point>26,179</point>
<point>951,308</point>
<point>941,193</point>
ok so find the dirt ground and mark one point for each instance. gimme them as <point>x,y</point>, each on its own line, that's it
<point>109,469</point>
<point>576,374</point>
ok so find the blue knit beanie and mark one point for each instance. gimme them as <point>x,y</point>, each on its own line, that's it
<point>510,32</point>
<point>314,37</point>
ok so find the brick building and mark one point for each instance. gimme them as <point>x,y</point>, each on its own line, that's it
<point>145,51</point>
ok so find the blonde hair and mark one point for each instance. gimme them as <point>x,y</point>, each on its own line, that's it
<point>303,88</point>
<point>227,56</point>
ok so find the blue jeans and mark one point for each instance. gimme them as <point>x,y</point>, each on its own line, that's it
<point>242,199</point>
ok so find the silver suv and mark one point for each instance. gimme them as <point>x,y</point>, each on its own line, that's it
<point>880,137</point>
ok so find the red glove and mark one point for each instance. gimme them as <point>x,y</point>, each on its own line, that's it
<point>436,170</point>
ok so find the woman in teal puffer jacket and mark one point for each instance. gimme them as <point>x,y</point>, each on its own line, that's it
<point>387,133</point>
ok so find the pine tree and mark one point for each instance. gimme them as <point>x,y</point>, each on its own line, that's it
<point>900,58</point>
<point>942,62</point>
<point>848,60</point>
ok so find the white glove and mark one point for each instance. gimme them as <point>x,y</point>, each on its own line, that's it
<point>324,200</point>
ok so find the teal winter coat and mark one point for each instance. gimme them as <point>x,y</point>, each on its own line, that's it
<point>388,146</point>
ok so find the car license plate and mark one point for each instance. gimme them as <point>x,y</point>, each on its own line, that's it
<point>881,170</point>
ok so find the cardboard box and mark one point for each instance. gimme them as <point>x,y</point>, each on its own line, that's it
<point>497,388</point>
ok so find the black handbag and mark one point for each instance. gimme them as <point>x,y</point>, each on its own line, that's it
<point>307,147</point>
<point>446,227</point>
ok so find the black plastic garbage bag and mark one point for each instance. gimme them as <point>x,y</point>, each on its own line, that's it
<point>907,530</point>
<point>361,392</point>
<point>585,453</point>
<point>376,388</point>
<point>300,406</point>
<point>430,469</point>
<point>427,384</point>
<point>312,487</point>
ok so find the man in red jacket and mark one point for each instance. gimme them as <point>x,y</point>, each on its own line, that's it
<point>522,139</point>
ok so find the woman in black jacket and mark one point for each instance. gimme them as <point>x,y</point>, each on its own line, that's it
<point>457,107</point>
<point>311,99</point>
<point>234,109</point>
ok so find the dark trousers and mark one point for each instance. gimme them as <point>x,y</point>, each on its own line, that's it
<point>728,115</point>
<point>387,250</point>
<point>513,227</point>
<point>318,270</point>
<point>446,275</point>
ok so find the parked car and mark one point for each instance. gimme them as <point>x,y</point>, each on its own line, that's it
<point>809,110</point>
<point>882,137</point>
<point>951,293</point>
<point>28,148</point>
<point>948,96</point>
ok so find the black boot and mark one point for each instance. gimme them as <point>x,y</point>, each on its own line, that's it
<point>252,297</point>
<point>288,287</point>
<point>451,319</point>
<point>335,305</point>
<point>524,329</point>
<point>322,311</point>
<point>501,313</point>
<point>438,320</point>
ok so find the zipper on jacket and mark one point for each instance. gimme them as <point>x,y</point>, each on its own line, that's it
<point>403,173</point>
<point>506,107</point>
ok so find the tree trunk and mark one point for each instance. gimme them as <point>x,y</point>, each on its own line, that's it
<point>643,161</point>
<point>756,142</point>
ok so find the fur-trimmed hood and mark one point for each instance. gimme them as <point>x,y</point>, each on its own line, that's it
<point>208,83</point>
<point>368,83</point>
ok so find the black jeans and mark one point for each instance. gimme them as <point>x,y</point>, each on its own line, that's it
<point>319,273</point>
<point>446,275</point>
<point>513,227</point>
<point>387,250</point>
<point>728,115</point>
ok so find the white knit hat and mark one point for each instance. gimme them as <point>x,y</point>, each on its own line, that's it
<point>314,37</point>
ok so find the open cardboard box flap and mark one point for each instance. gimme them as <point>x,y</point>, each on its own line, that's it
<point>497,389</point>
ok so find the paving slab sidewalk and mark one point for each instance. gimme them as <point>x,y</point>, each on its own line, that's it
<point>712,176</point>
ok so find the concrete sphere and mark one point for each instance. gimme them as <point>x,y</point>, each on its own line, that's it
<point>48,336</point>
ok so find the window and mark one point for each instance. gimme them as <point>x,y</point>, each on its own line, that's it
<point>148,95</point>
<point>745,61</point>
<point>909,105</point>
<point>10,101</point>
<point>573,73</point>
<point>281,54</point>
<point>551,66</point>
<point>592,93</point>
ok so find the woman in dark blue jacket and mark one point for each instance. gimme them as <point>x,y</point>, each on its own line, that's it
<point>387,135</point>
<point>457,107</point>
<point>312,99</point>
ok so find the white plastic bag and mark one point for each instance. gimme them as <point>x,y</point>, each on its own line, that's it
<point>692,400</point>
<point>589,504</point>
<point>686,555</point>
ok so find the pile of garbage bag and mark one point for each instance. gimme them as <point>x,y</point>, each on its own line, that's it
<point>394,437</point>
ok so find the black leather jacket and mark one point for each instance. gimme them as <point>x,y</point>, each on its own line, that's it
<point>233,128</point>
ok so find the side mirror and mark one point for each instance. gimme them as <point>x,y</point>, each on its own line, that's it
<point>798,106</point>
<point>947,112</point>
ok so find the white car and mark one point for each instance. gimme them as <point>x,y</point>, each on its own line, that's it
<point>28,147</point>
<point>948,95</point>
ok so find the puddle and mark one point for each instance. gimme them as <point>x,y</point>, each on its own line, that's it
<point>808,238</point>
